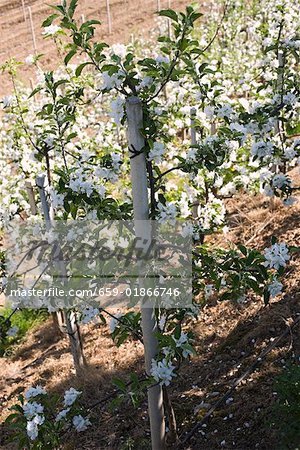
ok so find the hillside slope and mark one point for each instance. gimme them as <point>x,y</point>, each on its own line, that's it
<point>229,336</point>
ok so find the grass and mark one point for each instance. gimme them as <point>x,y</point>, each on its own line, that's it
<point>25,320</point>
<point>286,412</point>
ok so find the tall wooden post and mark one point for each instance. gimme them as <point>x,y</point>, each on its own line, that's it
<point>31,198</point>
<point>143,230</point>
<point>24,10</point>
<point>108,17</point>
<point>65,318</point>
<point>193,129</point>
<point>32,30</point>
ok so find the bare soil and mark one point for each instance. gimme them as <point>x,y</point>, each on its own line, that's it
<point>229,336</point>
<point>130,19</point>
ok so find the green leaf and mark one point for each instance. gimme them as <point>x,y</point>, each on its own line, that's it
<point>35,91</point>
<point>90,22</point>
<point>80,68</point>
<point>58,8</point>
<point>119,383</point>
<point>72,8</point>
<point>169,13</point>
<point>49,20</point>
<point>273,240</point>
<point>70,55</point>
<point>242,249</point>
<point>59,83</point>
<point>266,297</point>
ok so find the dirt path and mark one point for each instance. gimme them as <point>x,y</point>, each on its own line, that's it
<point>129,17</point>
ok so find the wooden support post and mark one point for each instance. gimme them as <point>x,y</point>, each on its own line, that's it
<point>139,182</point>
<point>279,83</point>
<point>31,198</point>
<point>169,28</point>
<point>24,10</point>
<point>66,319</point>
<point>32,30</point>
<point>108,17</point>
<point>275,168</point>
<point>193,129</point>
<point>213,128</point>
<point>194,142</point>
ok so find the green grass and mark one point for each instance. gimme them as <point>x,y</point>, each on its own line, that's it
<point>286,412</point>
<point>25,320</point>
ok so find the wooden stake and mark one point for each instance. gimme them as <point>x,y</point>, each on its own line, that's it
<point>279,83</point>
<point>194,142</point>
<point>169,28</point>
<point>139,183</point>
<point>32,30</point>
<point>30,193</point>
<point>66,319</point>
<point>108,17</point>
<point>24,10</point>
<point>193,129</point>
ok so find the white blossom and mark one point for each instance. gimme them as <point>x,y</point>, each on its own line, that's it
<point>162,371</point>
<point>71,396</point>
<point>32,427</point>
<point>279,180</point>
<point>167,213</point>
<point>224,111</point>
<point>34,391</point>
<point>119,50</point>
<point>80,423</point>
<point>262,149</point>
<point>160,59</point>
<point>62,414</point>
<point>112,81</point>
<point>276,256</point>
<point>290,201</point>
<point>162,322</point>
<point>146,82</point>
<point>7,101</point>
<point>208,291</point>
<point>51,30</point>
<point>275,288</point>
<point>117,109</point>
<point>156,152</point>
<point>32,409</point>
<point>89,314</point>
<point>13,331</point>
<point>30,59</point>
